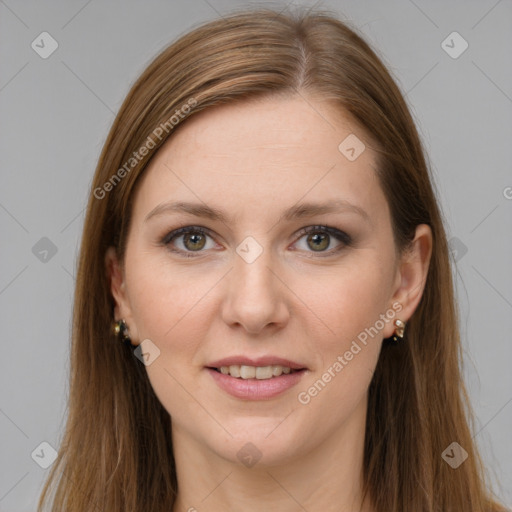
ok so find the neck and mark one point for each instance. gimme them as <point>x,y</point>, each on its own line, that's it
<point>329,477</point>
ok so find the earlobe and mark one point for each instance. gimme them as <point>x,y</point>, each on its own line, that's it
<point>122,309</point>
<point>413,271</point>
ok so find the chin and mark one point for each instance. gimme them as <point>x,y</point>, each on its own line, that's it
<point>265,445</point>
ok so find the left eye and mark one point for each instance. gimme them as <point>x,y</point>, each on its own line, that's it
<point>194,239</point>
<point>319,237</point>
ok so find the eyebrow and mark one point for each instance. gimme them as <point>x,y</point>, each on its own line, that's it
<point>299,211</point>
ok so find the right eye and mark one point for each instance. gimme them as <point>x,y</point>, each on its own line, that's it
<point>194,239</point>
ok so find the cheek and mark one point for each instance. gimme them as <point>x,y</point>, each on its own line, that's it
<point>167,307</point>
<point>348,300</point>
<point>163,296</point>
<point>348,343</point>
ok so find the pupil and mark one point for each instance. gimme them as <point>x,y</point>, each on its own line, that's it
<point>321,238</point>
<point>194,239</point>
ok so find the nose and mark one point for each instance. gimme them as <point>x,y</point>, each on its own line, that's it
<point>256,295</point>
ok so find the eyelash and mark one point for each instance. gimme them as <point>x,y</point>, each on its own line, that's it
<point>336,233</point>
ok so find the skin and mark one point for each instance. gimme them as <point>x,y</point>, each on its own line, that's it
<point>253,160</point>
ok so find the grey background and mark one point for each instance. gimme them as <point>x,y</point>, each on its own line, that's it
<point>56,113</point>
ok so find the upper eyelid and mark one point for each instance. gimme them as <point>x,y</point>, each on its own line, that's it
<point>332,231</point>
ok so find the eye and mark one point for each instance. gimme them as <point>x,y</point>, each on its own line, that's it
<point>193,240</point>
<point>319,238</point>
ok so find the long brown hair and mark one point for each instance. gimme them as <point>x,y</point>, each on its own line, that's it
<point>116,453</point>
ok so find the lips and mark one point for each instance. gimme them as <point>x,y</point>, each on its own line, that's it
<point>255,378</point>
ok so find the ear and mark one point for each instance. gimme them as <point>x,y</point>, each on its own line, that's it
<point>116,276</point>
<point>411,276</point>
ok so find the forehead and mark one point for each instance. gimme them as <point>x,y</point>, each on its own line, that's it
<point>259,157</point>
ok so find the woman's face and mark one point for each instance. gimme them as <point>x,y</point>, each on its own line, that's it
<point>277,283</point>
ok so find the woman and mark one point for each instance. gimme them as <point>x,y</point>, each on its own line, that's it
<point>263,237</point>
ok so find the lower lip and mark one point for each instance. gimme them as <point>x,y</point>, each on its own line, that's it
<point>256,389</point>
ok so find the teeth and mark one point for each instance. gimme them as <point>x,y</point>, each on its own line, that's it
<point>251,372</point>
<point>277,370</point>
<point>234,370</point>
<point>247,372</point>
<point>264,372</point>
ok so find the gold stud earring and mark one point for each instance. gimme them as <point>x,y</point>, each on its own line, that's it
<point>121,331</point>
<point>399,331</point>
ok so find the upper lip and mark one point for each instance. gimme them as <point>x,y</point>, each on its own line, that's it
<point>256,361</point>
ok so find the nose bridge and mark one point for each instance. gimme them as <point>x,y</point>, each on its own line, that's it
<point>252,268</point>
<point>255,296</point>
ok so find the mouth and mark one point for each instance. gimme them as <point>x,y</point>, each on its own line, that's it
<point>255,379</point>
